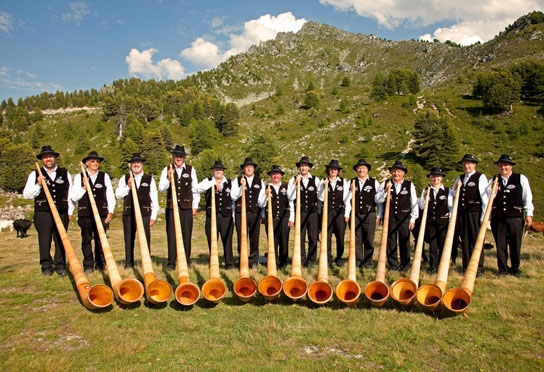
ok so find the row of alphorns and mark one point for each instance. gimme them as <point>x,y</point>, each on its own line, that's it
<point>405,290</point>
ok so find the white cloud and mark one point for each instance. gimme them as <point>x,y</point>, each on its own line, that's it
<point>6,22</point>
<point>26,81</point>
<point>472,20</point>
<point>78,11</point>
<point>141,64</point>
<point>206,54</point>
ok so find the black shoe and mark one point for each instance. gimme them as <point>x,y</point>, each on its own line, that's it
<point>310,265</point>
<point>479,273</point>
<point>502,273</point>
<point>367,266</point>
<point>170,267</point>
<point>47,272</point>
<point>340,263</point>
<point>61,273</point>
<point>515,273</point>
<point>100,268</point>
<point>89,271</point>
<point>128,265</point>
<point>229,267</point>
<point>404,269</point>
<point>431,271</point>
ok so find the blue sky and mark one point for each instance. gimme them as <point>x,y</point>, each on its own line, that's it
<point>73,45</point>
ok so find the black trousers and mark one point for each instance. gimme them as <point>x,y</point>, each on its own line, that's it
<point>47,231</point>
<point>468,225</point>
<point>336,225</point>
<point>280,227</point>
<point>507,233</point>
<point>129,230</point>
<point>309,225</point>
<point>225,229</point>
<point>365,230</point>
<point>253,231</point>
<point>399,231</point>
<point>435,235</point>
<point>186,218</point>
<point>89,232</point>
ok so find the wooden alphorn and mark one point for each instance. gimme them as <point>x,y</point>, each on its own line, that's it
<point>377,292</point>
<point>295,287</point>
<point>186,293</point>
<point>157,291</point>
<point>348,290</point>
<point>403,290</point>
<point>320,291</point>
<point>93,297</point>
<point>457,300</point>
<point>270,286</point>
<point>129,290</point>
<point>245,287</point>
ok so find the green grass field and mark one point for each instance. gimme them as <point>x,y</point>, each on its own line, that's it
<point>46,328</point>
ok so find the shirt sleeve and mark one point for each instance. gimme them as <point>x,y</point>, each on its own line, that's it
<point>527,196</point>
<point>110,196</point>
<point>122,188</point>
<point>77,189</point>
<point>154,199</point>
<point>482,186</point>
<point>164,182</point>
<point>235,190</point>
<point>414,213</point>
<point>32,189</point>
<point>194,183</point>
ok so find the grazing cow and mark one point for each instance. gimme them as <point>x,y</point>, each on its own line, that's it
<point>6,224</point>
<point>21,226</point>
<point>536,227</point>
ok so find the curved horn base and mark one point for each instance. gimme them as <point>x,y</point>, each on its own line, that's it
<point>428,296</point>
<point>295,288</point>
<point>187,294</point>
<point>403,291</point>
<point>96,297</point>
<point>320,292</point>
<point>245,288</point>
<point>348,291</point>
<point>376,293</point>
<point>157,291</point>
<point>457,300</point>
<point>214,290</point>
<point>128,291</point>
<point>270,287</point>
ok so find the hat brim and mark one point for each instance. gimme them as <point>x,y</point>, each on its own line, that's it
<point>93,157</point>
<point>39,156</point>
<point>243,165</point>
<point>275,171</point>
<point>401,168</point>
<point>358,165</point>
<point>505,162</point>
<point>436,174</point>
<point>309,164</point>
<point>470,160</point>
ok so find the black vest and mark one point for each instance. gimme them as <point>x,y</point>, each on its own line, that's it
<point>280,201</point>
<point>336,196</point>
<point>223,201</point>
<point>438,211</point>
<point>365,200</point>
<point>308,196</point>
<point>509,199</point>
<point>470,199</point>
<point>143,196</point>
<point>400,203</point>
<point>184,191</point>
<point>252,196</point>
<point>99,193</point>
<point>58,188</point>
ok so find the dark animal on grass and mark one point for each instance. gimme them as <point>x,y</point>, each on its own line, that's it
<point>21,226</point>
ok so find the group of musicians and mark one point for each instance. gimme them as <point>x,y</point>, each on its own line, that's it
<point>512,208</point>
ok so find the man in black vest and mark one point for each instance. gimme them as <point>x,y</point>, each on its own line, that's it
<point>438,216</point>
<point>224,207</point>
<point>470,211</point>
<point>188,199</point>
<point>366,189</point>
<point>104,197</point>
<point>514,199</point>
<point>59,182</point>
<point>255,200</point>
<point>403,212</point>
<point>148,200</point>
<point>309,218</point>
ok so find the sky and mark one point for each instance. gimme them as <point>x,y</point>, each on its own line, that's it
<point>54,45</point>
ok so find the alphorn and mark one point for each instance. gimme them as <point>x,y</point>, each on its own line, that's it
<point>245,287</point>
<point>348,290</point>
<point>270,286</point>
<point>214,289</point>
<point>428,295</point>
<point>320,291</point>
<point>129,290</point>
<point>157,291</point>
<point>377,292</point>
<point>295,287</point>
<point>457,300</point>
<point>93,297</point>
<point>403,290</point>
<point>186,293</point>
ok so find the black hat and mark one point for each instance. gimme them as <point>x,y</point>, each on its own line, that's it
<point>218,164</point>
<point>398,164</point>
<point>334,164</point>
<point>505,159</point>
<point>248,161</point>
<point>179,151</point>
<point>136,157</point>
<point>92,155</point>
<point>47,150</point>
<point>362,162</point>
<point>304,160</point>
<point>275,169</point>
<point>437,171</point>
<point>468,157</point>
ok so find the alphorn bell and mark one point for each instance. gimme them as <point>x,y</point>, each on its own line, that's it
<point>457,300</point>
<point>295,287</point>
<point>270,286</point>
<point>157,291</point>
<point>403,290</point>
<point>428,295</point>
<point>377,292</point>
<point>348,290</point>
<point>320,291</point>
<point>186,293</point>
<point>129,290</point>
<point>93,297</point>
<point>214,289</point>
<point>245,287</point>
